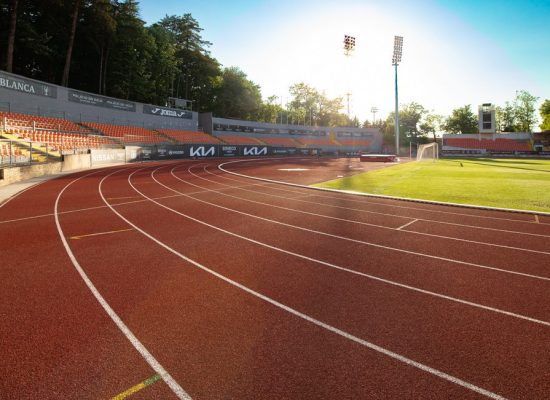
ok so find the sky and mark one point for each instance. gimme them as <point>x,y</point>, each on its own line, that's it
<point>455,52</point>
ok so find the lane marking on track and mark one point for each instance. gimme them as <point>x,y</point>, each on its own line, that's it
<point>99,234</point>
<point>353,221</point>
<point>118,204</point>
<point>381,213</point>
<point>370,197</point>
<point>123,197</point>
<point>537,219</point>
<point>344,334</point>
<point>138,387</point>
<point>340,268</point>
<point>407,224</point>
<point>149,358</point>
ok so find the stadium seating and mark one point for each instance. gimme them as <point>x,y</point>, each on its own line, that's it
<point>488,144</point>
<point>35,122</point>
<point>127,134</point>
<point>190,136</point>
<point>354,142</point>
<point>313,142</point>
<point>282,141</point>
<point>236,139</point>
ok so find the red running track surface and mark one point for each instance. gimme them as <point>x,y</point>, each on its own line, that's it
<point>233,287</point>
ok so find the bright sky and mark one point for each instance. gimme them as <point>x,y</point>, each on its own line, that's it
<point>454,52</point>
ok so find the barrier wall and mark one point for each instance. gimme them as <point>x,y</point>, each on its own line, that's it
<point>29,96</point>
<point>106,157</point>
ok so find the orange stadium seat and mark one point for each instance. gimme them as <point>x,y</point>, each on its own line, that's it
<point>127,134</point>
<point>190,136</point>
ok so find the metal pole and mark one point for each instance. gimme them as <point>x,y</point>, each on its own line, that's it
<point>396,114</point>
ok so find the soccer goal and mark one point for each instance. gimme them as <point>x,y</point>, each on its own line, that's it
<point>427,152</point>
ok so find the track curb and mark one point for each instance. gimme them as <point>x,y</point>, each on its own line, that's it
<point>380,196</point>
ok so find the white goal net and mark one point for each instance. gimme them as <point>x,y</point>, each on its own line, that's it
<point>428,152</point>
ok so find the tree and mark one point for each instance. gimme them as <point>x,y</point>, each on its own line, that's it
<point>198,72</point>
<point>462,120</point>
<point>409,120</point>
<point>236,96</point>
<point>11,34</point>
<point>68,57</point>
<point>270,111</point>
<point>524,107</point>
<point>431,124</point>
<point>505,118</point>
<point>545,115</point>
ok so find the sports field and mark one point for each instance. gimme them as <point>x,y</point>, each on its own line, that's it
<point>509,183</point>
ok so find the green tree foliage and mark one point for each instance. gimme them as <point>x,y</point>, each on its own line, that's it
<point>236,96</point>
<point>525,111</point>
<point>409,120</point>
<point>545,115</point>
<point>462,120</point>
<point>271,111</point>
<point>505,118</point>
<point>431,124</point>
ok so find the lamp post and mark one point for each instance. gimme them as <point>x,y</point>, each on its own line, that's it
<point>349,47</point>
<point>396,59</point>
<point>373,110</point>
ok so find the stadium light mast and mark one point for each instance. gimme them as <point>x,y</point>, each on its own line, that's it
<point>396,59</point>
<point>349,47</point>
<point>373,110</point>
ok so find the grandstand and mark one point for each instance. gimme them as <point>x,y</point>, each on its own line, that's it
<point>334,140</point>
<point>487,143</point>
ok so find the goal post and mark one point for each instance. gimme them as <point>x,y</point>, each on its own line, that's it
<point>428,152</point>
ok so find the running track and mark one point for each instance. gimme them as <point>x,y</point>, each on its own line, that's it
<point>184,280</point>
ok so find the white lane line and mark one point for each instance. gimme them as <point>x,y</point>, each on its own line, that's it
<point>346,335</point>
<point>352,221</point>
<point>118,204</point>
<point>351,239</point>
<point>407,224</point>
<point>149,358</point>
<point>339,268</point>
<point>343,192</point>
<point>377,212</point>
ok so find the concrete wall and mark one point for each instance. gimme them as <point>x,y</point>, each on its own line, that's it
<point>76,161</point>
<point>20,94</point>
<point>16,174</point>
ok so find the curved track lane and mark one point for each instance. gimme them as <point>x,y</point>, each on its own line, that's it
<point>229,287</point>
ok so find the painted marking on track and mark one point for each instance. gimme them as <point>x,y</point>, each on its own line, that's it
<point>293,169</point>
<point>142,350</point>
<point>407,224</point>
<point>351,239</point>
<point>137,388</point>
<point>334,266</point>
<point>330,328</point>
<point>537,219</point>
<point>100,233</point>
<point>370,197</point>
<point>122,198</point>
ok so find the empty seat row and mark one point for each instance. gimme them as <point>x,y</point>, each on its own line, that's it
<point>127,134</point>
<point>190,136</point>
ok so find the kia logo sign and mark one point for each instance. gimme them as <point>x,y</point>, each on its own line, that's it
<point>202,151</point>
<point>255,151</point>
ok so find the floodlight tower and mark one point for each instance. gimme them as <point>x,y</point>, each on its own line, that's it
<point>373,110</point>
<point>396,59</point>
<point>349,47</point>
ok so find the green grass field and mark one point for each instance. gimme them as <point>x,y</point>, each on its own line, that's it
<point>509,183</point>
